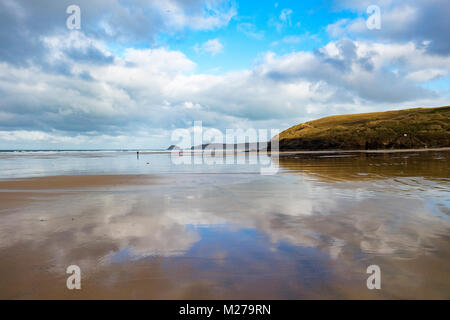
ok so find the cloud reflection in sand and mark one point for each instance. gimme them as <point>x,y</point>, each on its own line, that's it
<point>346,220</point>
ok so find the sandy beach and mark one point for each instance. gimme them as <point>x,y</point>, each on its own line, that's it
<point>76,182</point>
<point>308,232</point>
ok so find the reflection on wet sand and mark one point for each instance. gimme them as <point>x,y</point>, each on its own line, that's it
<point>308,232</point>
<point>369,166</point>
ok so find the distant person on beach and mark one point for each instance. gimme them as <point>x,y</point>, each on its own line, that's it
<point>137,155</point>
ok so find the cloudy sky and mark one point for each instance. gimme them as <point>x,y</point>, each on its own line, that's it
<point>137,70</point>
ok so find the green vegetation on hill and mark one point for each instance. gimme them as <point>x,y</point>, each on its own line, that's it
<point>402,129</point>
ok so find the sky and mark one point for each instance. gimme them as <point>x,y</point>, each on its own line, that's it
<point>135,71</point>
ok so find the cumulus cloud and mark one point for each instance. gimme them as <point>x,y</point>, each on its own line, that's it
<point>424,22</point>
<point>23,23</point>
<point>158,89</point>
<point>73,88</point>
<point>363,69</point>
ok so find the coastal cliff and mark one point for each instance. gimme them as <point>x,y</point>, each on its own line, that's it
<point>400,129</point>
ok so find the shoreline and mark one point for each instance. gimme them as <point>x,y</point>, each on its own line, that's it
<point>190,151</point>
<point>281,153</point>
<point>94,180</point>
<point>366,151</point>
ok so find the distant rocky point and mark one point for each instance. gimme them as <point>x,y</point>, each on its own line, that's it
<point>173,147</point>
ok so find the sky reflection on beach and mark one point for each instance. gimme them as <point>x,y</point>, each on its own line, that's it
<point>308,232</point>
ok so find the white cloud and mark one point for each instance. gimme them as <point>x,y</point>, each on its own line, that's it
<point>143,94</point>
<point>426,75</point>
<point>71,88</point>
<point>401,21</point>
<point>213,47</point>
<point>214,14</point>
<point>123,22</point>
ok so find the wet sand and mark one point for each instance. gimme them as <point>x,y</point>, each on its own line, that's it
<point>308,232</point>
<point>76,182</point>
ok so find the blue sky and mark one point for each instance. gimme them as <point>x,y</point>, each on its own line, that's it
<point>257,29</point>
<point>138,70</point>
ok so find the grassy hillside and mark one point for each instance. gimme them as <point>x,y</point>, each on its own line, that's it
<point>402,129</point>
